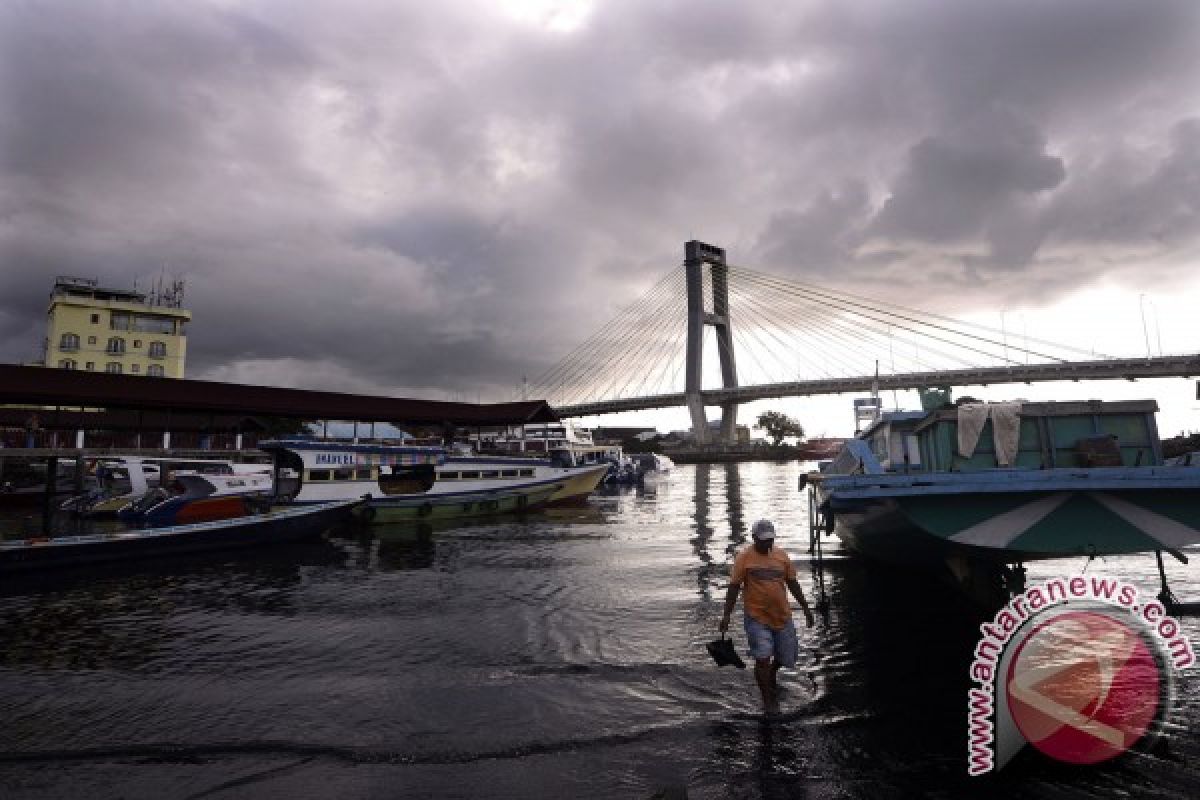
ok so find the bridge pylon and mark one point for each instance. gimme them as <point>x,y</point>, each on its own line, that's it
<point>696,256</point>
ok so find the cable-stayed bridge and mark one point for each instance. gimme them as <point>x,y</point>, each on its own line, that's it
<point>783,338</point>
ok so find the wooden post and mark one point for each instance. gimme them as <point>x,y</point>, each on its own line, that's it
<point>48,494</point>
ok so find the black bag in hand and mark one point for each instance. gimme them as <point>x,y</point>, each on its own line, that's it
<point>723,652</point>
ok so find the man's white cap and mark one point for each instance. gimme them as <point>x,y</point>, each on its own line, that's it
<point>763,530</point>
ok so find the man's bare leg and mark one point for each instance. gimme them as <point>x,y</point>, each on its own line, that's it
<point>764,675</point>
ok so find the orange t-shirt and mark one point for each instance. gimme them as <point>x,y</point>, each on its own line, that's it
<point>762,578</point>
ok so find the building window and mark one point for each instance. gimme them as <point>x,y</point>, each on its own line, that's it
<point>137,343</point>
<point>153,324</point>
<point>155,371</point>
<point>91,340</point>
<point>66,363</point>
<point>119,321</point>
<point>69,341</point>
<point>95,319</point>
<point>158,350</point>
<point>113,366</point>
<point>115,345</point>
<point>90,366</point>
<point>136,368</point>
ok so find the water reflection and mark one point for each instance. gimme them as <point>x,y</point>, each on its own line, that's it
<point>120,616</point>
<point>707,572</point>
<point>406,548</point>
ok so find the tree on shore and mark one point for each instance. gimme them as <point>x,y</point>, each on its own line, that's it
<point>779,426</point>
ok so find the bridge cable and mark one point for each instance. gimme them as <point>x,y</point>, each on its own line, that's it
<point>879,307</point>
<point>916,321</point>
<point>592,351</point>
<point>585,357</point>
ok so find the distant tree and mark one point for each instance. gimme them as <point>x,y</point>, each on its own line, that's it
<point>779,426</point>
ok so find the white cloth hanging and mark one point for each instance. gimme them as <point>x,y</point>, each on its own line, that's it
<point>1006,431</point>
<point>971,419</point>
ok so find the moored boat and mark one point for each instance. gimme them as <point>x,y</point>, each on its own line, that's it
<point>978,490</point>
<point>123,480</point>
<point>272,527</point>
<point>406,482</point>
<point>192,497</point>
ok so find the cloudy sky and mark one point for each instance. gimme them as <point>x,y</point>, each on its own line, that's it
<point>436,198</point>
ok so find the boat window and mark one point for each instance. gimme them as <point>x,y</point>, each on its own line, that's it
<point>343,474</point>
<point>469,475</point>
<point>526,473</point>
<point>447,476</point>
<point>491,474</point>
<point>362,474</point>
<point>508,473</point>
<point>407,480</point>
<point>318,475</point>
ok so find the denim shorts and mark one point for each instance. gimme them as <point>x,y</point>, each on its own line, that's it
<point>766,641</point>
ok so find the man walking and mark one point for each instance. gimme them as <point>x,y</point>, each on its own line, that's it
<point>768,575</point>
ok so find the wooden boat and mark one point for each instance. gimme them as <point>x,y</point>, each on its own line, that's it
<point>272,527</point>
<point>404,482</point>
<point>1083,479</point>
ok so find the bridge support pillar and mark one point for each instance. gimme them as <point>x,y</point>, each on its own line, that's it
<point>696,256</point>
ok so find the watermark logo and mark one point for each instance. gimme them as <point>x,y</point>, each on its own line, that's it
<point>1076,667</point>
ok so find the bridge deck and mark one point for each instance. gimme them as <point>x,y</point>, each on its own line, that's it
<point>1184,366</point>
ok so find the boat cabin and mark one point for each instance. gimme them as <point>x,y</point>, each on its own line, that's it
<point>892,440</point>
<point>394,470</point>
<point>1090,433</point>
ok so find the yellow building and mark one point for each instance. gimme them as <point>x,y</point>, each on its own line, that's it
<point>115,330</point>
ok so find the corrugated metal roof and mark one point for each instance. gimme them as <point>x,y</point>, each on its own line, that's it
<point>80,389</point>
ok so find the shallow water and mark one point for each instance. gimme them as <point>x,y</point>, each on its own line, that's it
<point>555,656</point>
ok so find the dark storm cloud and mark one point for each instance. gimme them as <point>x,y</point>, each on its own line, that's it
<point>419,197</point>
<point>951,189</point>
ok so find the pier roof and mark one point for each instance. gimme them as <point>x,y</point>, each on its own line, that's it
<point>80,389</point>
